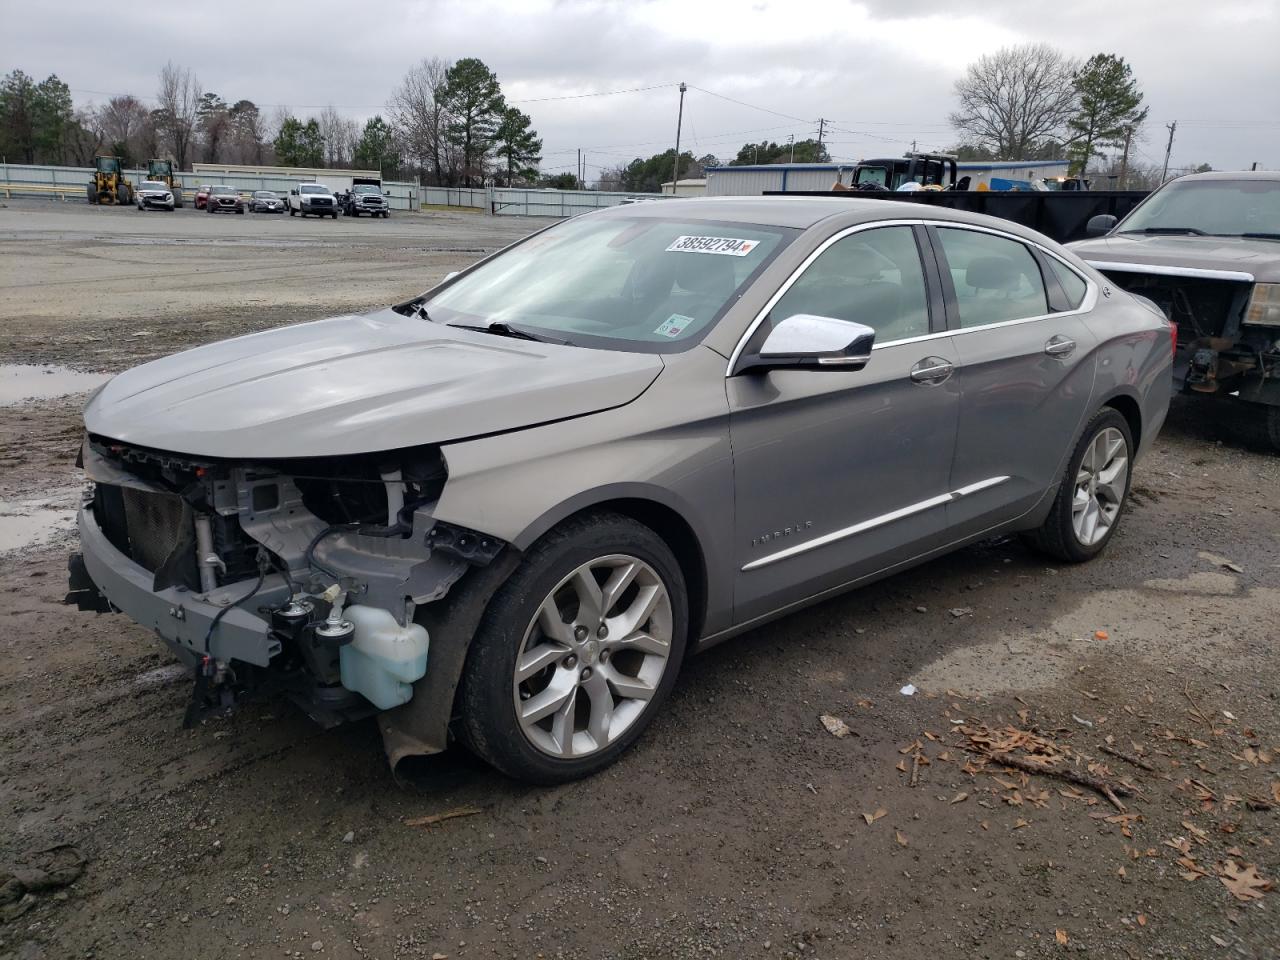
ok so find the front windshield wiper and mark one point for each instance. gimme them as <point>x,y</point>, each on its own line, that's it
<point>1173,230</point>
<point>1257,236</point>
<point>503,329</point>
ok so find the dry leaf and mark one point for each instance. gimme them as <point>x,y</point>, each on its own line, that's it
<point>959,797</point>
<point>1275,790</point>
<point>1244,883</point>
<point>910,748</point>
<point>441,817</point>
<point>898,835</point>
<point>873,817</point>
<point>902,766</point>
<point>1021,823</point>
<point>835,726</point>
<point>985,825</point>
<point>1120,872</point>
<point>1061,937</point>
<point>865,704</point>
<point>1142,919</point>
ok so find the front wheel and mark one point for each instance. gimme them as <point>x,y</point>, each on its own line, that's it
<point>1093,493</point>
<point>577,651</point>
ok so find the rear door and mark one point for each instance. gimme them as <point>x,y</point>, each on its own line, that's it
<point>839,473</point>
<point>1026,369</point>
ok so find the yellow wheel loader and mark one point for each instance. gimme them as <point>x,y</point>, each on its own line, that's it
<point>109,184</point>
<point>162,170</point>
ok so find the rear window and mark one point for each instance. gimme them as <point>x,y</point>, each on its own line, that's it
<point>996,279</point>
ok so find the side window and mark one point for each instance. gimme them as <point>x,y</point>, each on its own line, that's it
<point>1073,284</point>
<point>872,277</point>
<point>996,279</point>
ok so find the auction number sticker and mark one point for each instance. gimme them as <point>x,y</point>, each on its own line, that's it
<point>674,325</point>
<point>724,246</point>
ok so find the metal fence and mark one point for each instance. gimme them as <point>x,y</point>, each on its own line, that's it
<point>69,183</point>
<point>527,201</point>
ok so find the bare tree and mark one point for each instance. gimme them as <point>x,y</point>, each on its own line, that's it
<point>417,114</point>
<point>1016,99</point>
<point>179,97</point>
<point>86,137</point>
<point>123,119</point>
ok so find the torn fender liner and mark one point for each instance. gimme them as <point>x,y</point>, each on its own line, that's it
<point>421,726</point>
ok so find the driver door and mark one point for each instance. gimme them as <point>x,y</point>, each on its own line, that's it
<point>839,473</point>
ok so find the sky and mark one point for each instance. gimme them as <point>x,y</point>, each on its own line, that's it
<point>880,73</point>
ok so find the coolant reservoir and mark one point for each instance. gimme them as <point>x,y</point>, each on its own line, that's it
<point>384,658</point>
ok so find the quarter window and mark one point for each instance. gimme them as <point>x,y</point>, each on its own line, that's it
<point>996,279</point>
<point>1073,284</point>
<point>872,277</point>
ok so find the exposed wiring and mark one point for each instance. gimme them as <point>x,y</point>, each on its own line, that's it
<point>217,617</point>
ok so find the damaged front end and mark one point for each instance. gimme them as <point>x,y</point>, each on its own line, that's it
<point>1228,330</point>
<point>300,575</point>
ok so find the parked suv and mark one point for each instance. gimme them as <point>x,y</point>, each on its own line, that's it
<point>643,430</point>
<point>224,199</point>
<point>152,194</point>
<point>314,198</point>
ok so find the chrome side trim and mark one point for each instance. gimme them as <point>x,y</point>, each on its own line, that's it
<point>1163,271</point>
<point>1086,305</point>
<point>874,522</point>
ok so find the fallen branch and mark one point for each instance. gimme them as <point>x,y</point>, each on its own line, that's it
<point>915,769</point>
<point>1068,774</point>
<point>1208,721</point>
<point>441,817</point>
<point>1128,758</point>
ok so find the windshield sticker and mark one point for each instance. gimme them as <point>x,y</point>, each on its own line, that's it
<point>673,326</point>
<point>724,246</point>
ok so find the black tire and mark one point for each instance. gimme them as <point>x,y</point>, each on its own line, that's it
<point>292,212</point>
<point>1272,422</point>
<point>123,195</point>
<point>92,193</point>
<point>240,210</point>
<point>489,725</point>
<point>1057,536</point>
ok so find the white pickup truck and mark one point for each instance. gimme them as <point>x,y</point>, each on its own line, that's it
<point>314,198</point>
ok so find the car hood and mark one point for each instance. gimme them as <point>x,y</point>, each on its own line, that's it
<point>1258,258</point>
<point>358,384</point>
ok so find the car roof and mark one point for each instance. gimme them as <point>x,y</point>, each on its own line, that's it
<point>805,212</point>
<point>1273,175</point>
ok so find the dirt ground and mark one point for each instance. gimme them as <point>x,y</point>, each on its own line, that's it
<point>739,826</point>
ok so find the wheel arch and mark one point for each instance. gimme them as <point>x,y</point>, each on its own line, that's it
<point>1127,406</point>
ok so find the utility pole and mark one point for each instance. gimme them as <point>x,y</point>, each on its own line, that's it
<point>1172,127</point>
<point>913,146</point>
<point>675,175</point>
<point>1124,160</point>
<point>579,167</point>
<point>822,123</point>
<point>791,139</point>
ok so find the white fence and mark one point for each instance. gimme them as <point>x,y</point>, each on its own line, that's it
<point>70,183</point>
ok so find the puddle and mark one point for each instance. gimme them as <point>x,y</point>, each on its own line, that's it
<point>26,523</point>
<point>20,381</point>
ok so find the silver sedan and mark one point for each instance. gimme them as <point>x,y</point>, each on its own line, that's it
<point>505,510</point>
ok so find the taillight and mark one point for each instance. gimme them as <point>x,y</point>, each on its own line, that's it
<point>1173,338</point>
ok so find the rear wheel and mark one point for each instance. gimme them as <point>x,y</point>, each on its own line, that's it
<point>1093,493</point>
<point>92,193</point>
<point>123,195</point>
<point>576,652</point>
<point>1271,426</point>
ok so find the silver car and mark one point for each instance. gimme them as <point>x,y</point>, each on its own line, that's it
<point>505,511</point>
<point>153,195</point>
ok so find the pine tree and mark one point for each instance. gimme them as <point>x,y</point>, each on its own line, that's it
<point>1110,108</point>
<point>518,143</point>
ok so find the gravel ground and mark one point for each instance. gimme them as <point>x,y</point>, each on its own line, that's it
<point>738,827</point>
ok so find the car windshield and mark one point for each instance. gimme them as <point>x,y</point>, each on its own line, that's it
<point>640,283</point>
<point>223,191</point>
<point>152,185</point>
<point>1224,208</point>
<point>263,195</point>
<point>365,188</point>
<point>313,188</point>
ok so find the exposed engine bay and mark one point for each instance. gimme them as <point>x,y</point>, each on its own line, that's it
<point>302,575</point>
<point>1217,350</point>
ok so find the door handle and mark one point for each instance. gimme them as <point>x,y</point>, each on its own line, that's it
<point>932,370</point>
<point>1060,346</point>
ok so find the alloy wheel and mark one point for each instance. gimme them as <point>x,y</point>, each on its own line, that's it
<point>1101,483</point>
<point>593,656</point>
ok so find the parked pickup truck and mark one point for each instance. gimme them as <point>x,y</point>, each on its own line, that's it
<point>365,196</point>
<point>1206,249</point>
<point>314,198</point>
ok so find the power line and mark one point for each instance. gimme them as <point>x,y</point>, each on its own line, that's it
<point>753,106</point>
<point>602,93</point>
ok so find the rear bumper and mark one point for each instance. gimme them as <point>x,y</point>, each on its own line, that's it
<point>179,617</point>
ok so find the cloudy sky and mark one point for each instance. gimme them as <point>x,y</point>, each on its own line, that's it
<point>881,73</point>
